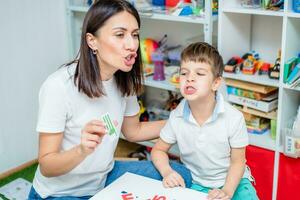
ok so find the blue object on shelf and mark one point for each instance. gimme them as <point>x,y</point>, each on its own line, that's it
<point>296,6</point>
<point>89,2</point>
<point>186,10</point>
<point>158,2</point>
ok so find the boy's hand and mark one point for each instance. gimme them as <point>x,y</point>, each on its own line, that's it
<point>173,179</point>
<point>218,194</point>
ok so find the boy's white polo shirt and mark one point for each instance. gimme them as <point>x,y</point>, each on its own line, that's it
<point>205,150</point>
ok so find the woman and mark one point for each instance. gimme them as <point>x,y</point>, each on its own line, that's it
<point>75,151</point>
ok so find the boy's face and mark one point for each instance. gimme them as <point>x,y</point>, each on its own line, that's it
<point>197,81</point>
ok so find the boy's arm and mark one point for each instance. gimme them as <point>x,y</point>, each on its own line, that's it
<point>160,157</point>
<point>236,170</point>
<point>161,161</point>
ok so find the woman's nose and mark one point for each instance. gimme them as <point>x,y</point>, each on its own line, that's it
<point>131,44</point>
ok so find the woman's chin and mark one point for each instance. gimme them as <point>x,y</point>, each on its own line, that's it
<point>126,68</point>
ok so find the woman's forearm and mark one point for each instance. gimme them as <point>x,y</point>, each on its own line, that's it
<point>56,164</point>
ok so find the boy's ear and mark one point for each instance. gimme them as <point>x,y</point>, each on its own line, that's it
<point>217,83</point>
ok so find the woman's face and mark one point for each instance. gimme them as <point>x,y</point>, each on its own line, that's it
<point>117,42</point>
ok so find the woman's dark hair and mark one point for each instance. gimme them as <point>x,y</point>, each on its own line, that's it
<point>87,75</point>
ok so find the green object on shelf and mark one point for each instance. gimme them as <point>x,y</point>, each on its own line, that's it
<point>273,128</point>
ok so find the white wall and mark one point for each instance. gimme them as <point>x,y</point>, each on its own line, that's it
<point>33,43</point>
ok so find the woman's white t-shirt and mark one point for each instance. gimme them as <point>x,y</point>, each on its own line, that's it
<point>63,109</point>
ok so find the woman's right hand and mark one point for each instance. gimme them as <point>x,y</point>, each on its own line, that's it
<point>91,136</point>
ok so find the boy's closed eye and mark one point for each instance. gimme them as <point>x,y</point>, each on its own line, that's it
<point>201,74</point>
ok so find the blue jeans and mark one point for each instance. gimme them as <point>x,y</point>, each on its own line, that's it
<point>143,168</point>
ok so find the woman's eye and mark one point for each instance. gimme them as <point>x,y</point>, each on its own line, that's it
<point>182,73</point>
<point>136,35</point>
<point>120,35</point>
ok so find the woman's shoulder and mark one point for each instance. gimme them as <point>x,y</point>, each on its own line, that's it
<point>62,75</point>
<point>61,78</point>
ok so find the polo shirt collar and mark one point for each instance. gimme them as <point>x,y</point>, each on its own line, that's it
<point>185,111</point>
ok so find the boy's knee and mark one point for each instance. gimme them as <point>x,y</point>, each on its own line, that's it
<point>245,191</point>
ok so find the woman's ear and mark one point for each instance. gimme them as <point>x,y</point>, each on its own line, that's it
<point>217,83</point>
<point>91,41</point>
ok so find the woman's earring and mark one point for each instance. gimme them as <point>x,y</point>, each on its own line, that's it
<point>94,51</point>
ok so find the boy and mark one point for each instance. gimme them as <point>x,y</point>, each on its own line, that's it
<point>210,133</point>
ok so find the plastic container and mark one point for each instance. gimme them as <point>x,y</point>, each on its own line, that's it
<point>251,3</point>
<point>296,6</point>
<point>158,60</point>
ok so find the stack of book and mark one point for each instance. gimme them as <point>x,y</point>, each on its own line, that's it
<point>259,97</point>
<point>257,102</point>
<point>291,75</point>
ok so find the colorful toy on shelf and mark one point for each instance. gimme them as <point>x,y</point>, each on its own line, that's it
<point>233,65</point>
<point>144,115</point>
<point>249,65</point>
<point>273,4</point>
<point>173,101</point>
<point>275,70</point>
<point>147,69</point>
<point>158,2</point>
<point>214,7</point>
<point>263,67</point>
<point>148,46</point>
<point>175,79</point>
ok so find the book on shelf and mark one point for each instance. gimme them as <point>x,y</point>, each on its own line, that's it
<point>294,75</point>
<point>296,83</point>
<point>250,86</point>
<point>288,67</point>
<point>249,94</point>
<point>265,106</point>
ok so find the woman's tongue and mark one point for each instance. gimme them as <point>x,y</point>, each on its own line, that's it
<point>129,60</point>
<point>189,90</point>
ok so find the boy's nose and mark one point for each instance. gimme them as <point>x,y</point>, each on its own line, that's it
<point>190,78</point>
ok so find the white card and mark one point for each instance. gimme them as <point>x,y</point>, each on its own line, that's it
<point>17,189</point>
<point>135,187</point>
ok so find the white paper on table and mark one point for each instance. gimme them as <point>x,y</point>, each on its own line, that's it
<point>134,187</point>
<point>17,189</point>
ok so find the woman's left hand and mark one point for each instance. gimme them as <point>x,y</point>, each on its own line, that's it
<point>218,194</point>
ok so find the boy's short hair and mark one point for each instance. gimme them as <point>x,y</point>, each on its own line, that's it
<point>204,52</point>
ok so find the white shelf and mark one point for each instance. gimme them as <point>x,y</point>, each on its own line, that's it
<point>79,8</point>
<point>258,11</point>
<point>293,14</point>
<point>195,20</point>
<point>258,79</point>
<point>290,88</point>
<point>264,141</point>
<point>165,84</point>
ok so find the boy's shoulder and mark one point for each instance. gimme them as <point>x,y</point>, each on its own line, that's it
<point>232,113</point>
